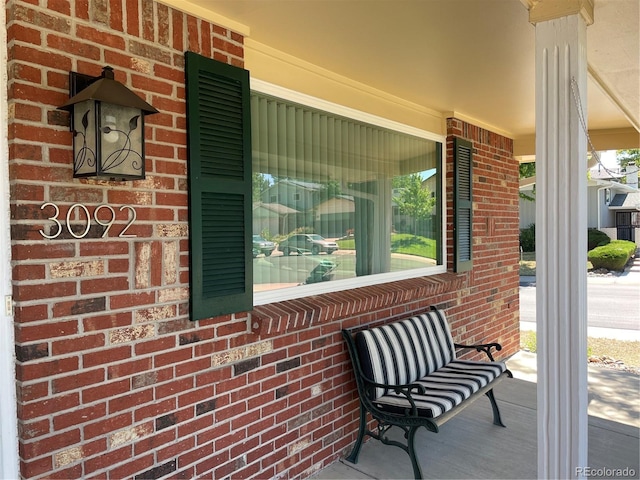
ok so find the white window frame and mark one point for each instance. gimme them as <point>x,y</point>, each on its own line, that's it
<point>278,295</point>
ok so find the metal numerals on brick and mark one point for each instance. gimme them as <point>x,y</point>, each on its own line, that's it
<point>96,217</point>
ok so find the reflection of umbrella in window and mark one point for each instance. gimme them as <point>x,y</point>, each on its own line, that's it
<point>321,272</point>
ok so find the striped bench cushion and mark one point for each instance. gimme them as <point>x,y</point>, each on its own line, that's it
<point>445,388</point>
<point>420,350</point>
<point>404,351</point>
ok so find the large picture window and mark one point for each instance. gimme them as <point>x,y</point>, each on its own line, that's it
<point>339,201</point>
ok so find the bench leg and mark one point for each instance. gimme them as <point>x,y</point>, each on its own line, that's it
<point>411,435</point>
<point>362,429</point>
<point>496,411</point>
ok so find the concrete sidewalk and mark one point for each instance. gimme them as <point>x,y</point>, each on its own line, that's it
<point>470,446</point>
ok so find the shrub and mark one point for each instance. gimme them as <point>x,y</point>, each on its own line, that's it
<point>528,238</point>
<point>303,230</point>
<point>613,256</point>
<point>596,238</point>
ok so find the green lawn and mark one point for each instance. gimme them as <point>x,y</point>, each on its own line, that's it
<point>625,351</point>
<point>347,244</point>
<point>413,245</point>
<point>402,243</point>
<point>528,264</point>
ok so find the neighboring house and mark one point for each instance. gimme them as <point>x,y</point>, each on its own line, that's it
<point>330,218</point>
<point>275,218</point>
<point>606,196</point>
<point>527,207</point>
<point>611,205</point>
<point>429,180</point>
<point>294,194</point>
<point>146,354</point>
<point>335,217</point>
<point>626,207</point>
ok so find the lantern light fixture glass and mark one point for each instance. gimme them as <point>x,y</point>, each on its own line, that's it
<point>107,121</point>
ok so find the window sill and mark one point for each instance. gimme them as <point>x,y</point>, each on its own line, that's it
<point>292,315</point>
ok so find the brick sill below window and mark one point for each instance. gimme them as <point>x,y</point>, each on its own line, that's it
<point>292,315</point>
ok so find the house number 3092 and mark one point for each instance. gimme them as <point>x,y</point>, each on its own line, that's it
<point>98,217</point>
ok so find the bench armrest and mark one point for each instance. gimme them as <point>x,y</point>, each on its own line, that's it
<point>397,388</point>
<point>367,386</point>
<point>485,347</point>
<point>404,390</point>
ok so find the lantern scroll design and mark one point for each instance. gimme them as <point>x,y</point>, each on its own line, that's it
<point>107,121</point>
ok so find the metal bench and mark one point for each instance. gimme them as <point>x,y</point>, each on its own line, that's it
<point>408,376</point>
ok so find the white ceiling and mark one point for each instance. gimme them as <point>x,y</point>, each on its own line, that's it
<point>475,57</point>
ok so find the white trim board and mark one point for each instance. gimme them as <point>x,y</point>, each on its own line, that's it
<point>8,414</point>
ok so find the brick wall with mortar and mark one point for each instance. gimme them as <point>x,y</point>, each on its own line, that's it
<point>113,380</point>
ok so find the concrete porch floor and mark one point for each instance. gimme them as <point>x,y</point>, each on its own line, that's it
<point>470,446</point>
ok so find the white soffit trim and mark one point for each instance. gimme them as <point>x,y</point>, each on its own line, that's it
<point>597,79</point>
<point>253,47</point>
<point>478,123</point>
<point>206,14</point>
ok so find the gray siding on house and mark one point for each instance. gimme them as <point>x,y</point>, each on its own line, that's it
<point>527,213</point>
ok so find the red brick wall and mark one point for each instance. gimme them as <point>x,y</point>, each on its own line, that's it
<point>492,296</point>
<point>113,380</point>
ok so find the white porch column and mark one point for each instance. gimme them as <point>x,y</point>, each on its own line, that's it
<point>561,236</point>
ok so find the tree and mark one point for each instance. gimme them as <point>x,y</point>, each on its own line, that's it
<point>259,184</point>
<point>527,169</point>
<point>414,199</point>
<point>626,156</point>
<point>402,181</point>
<point>330,189</point>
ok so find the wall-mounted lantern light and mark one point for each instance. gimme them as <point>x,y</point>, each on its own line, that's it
<point>107,121</point>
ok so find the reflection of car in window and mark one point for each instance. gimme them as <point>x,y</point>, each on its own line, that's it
<point>307,243</point>
<point>260,245</point>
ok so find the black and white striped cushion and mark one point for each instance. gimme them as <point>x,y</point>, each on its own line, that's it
<point>445,388</point>
<point>402,352</point>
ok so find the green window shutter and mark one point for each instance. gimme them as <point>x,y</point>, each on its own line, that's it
<point>219,168</point>
<point>463,205</point>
